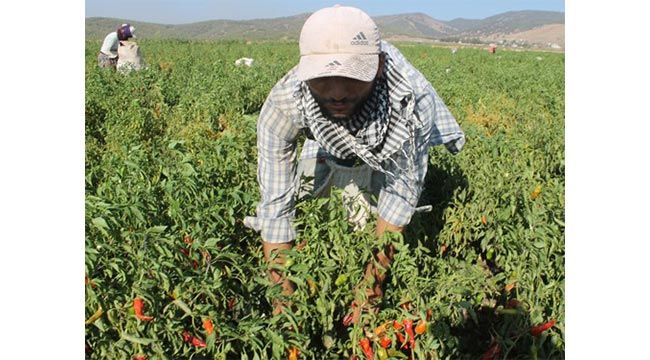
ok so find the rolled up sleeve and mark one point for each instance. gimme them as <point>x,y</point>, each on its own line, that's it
<point>445,129</point>
<point>276,150</point>
<point>399,198</point>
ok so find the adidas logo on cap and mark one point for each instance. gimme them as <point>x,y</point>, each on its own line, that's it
<point>359,39</point>
<point>334,63</point>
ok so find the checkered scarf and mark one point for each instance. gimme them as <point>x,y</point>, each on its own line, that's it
<point>375,133</point>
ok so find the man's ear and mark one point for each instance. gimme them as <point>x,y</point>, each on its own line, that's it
<point>380,68</point>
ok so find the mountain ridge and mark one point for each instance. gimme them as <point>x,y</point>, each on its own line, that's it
<point>526,28</point>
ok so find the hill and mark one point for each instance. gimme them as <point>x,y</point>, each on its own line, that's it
<point>528,28</point>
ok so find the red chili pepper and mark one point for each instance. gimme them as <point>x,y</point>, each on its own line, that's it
<point>429,314</point>
<point>397,325</point>
<point>208,326</point>
<point>139,357</point>
<point>185,252</point>
<point>347,320</point>
<point>198,342</point>
<point>189,338</point>
<point>537,330</point>
<point>402,340</point>
<point>138,308</point>
<point>367,349</point>
<point>408,325</point>
<point>385,342</point>
<point>492,352</point>
<point>231,303</point>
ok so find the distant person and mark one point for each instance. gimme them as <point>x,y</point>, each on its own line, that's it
<point>369,118</point>
<point>108,54</point>
<point>129,57</point>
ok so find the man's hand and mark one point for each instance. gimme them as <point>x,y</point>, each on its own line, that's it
<point>383,226</point>
<point>373,275</point>
<point>275,276</point>
<point>384,257</point>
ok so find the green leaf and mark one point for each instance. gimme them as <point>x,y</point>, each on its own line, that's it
<point>183,306</point>
<point>157,229</point>
<point>173,143</point>
<point>100,223</point>
<point>137,214</point>
<point>539,244</point>
<point>100,325</point>
<point>211,242</point>
<point>131,164</point>
<point>137,340</point>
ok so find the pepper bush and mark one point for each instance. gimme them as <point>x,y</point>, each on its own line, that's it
<point>171,172</point>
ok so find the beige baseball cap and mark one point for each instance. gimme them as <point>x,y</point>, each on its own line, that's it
<point>339,41</point>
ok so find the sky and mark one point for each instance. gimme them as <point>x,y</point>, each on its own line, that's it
<point>188,11</point>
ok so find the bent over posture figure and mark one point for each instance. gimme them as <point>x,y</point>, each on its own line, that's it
<point>108,54</point>
<point>370,118</point>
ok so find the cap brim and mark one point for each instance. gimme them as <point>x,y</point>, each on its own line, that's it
<point>361,67</point>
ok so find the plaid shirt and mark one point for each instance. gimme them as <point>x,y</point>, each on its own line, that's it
<point>278,129</point>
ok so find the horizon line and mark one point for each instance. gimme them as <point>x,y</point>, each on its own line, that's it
<point>308,13</point>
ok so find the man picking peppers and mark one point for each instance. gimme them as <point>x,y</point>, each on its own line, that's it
<point>369,117</point>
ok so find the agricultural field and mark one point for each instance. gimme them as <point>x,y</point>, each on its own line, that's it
<point>170,173</point>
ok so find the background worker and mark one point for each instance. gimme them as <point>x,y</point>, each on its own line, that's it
<point>108,56</point>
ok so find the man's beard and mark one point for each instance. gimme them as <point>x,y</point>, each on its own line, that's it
<point>357,105</point>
